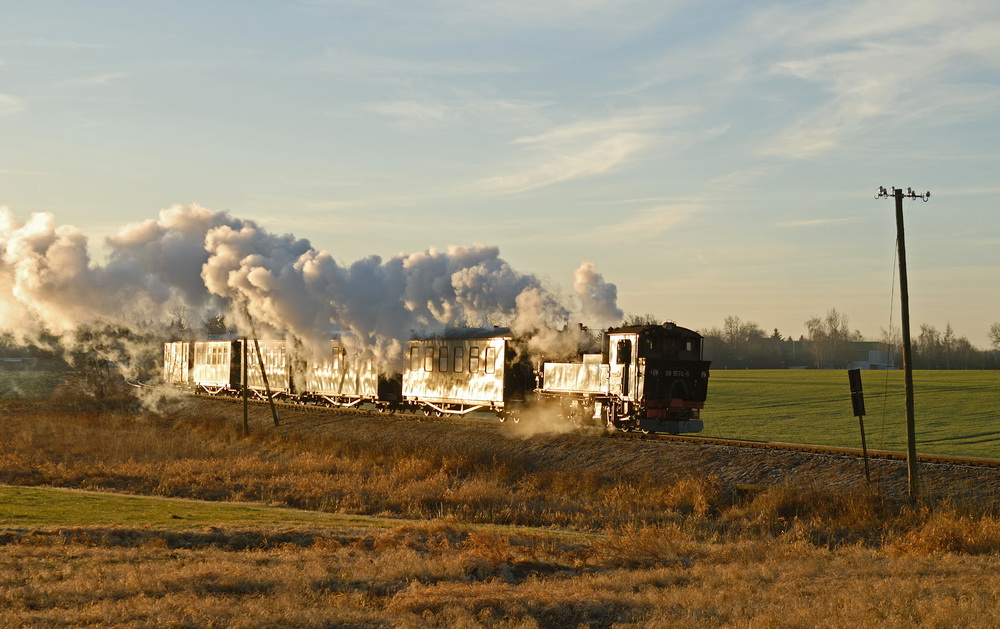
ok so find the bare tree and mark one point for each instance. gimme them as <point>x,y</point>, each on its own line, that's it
<point>928,347</point>
<point>831,338</point>
<point>643,319</point>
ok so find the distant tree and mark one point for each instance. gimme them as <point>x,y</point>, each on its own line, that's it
<point>831,338</point>
<point>995,335</point>
<point>928,348</point>
<point>641,319</point>
<point>736,344</point>
<point>215,324</point>
<point>934,350</point>
<point>738,333</point>
<point>964,354</point>
<point>948,345</point>
<point>716,350</point>
<point>893,341</point>
<point>177,325</point>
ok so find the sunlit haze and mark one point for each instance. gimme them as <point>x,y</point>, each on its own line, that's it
<point>708,159</point>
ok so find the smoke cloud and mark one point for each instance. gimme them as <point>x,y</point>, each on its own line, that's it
<point>599,299</point>
<point>199,261</point>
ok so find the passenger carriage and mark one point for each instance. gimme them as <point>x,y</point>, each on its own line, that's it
<point>340,378</point>
<point>464,370</point>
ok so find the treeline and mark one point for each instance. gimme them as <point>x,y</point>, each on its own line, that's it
<point>831,344</point>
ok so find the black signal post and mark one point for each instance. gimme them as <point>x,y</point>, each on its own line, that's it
<point>904,297</point>
<point>858,402</point>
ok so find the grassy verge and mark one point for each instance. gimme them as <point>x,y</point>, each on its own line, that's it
<point>46,507</point>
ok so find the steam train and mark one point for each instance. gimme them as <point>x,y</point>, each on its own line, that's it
<point>650,378</point>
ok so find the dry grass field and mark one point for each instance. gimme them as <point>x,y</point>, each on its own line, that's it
<point>347,521</point>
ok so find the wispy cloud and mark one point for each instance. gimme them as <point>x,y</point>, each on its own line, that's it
<point>583,149</point>
<point>654,221</point>
<point>109,78</point>
<point>11,105</point>
<point>817,222</point>
<point>423,113</point>
<point>349,62</point>
<point>38,42</point>
<point>920,67</point>
<point>607,16</point>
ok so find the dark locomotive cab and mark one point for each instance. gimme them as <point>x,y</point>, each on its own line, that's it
<point>658,378</point>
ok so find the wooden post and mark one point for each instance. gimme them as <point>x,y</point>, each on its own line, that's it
<point>904,298</point>
<point>911,433</point>
<point>244,372</point>
<point>267,386</point>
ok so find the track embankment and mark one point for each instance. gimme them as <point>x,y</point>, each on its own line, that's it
<point>734,464</point>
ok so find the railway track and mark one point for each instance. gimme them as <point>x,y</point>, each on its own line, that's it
<point>891,455</point>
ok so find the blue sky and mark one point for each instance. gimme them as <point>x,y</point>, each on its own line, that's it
<point>711,158</point>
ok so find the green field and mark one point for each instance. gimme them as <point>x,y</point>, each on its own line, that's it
<point>34,507</point>
<point>956,412</point>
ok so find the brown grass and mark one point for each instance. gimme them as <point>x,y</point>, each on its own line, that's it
<point>628,548</point>
<point>444,574</point>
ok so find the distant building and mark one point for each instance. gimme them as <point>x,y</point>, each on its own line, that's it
<point>873,355</point>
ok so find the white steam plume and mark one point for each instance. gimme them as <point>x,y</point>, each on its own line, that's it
<point>599,298</point>
<point>206,261</point>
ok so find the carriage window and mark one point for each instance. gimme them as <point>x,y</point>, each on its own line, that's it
<point>428,359</point>
<point>689,346</point>
<point>473,359</point>
<point>459,359</point>
<point>490,359</point>
<point>414,359</point>
<point>443,359</point>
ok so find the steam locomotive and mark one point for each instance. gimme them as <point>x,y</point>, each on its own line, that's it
<point>650,378</point>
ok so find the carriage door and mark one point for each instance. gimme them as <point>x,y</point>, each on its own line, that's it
<point>621,367</point>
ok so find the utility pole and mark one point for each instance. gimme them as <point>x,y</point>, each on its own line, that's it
<point>904,297</point>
